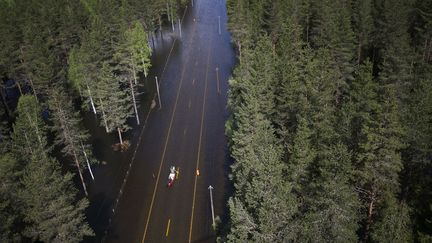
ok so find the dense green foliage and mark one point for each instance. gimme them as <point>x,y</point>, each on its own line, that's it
<point>331,119</point>
<point>61,55</point>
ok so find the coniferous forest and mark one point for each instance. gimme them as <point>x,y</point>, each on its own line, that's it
<point>65,58</point>
<point>330,128</point>
<point>331,125</point>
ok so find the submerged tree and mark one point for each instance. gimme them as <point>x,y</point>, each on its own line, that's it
<point>139,49</point>
<point>113,102</point>
<point>69,133</point>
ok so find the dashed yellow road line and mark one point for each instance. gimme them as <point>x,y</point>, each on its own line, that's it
<point>168,227</point>
<point>166,141</point>
<point>199,144</point>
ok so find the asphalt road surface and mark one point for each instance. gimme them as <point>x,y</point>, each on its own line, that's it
<point>187,132</point>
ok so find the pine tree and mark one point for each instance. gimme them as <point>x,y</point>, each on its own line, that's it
<point>378,142</point>
<point>51,211</point>
<point>289,99</point>
<point>69,133</point>
<point>80,74</point>
<point>132,55</point>
<point>393,222</point>
<point>113,102</point>
<point>10,38</point>
<point>259,171</point>
<point>242,224</point>
<point>393,41</point>
<point>334,32</point>
<point>29,131</point>
<point>263,71</point>
<point>363,103</point>
<point>9,206</point>
<point>240,24</point>
<point>363,25</point>
<point>417,164</point>
<point>330,204</point>
<point>39,61</point>
<point>302,156</point>
<point>137,42</point>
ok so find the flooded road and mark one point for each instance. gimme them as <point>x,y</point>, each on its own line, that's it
<point>130,201</point>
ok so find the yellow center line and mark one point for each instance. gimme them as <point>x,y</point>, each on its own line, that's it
<point>199,144</point>
<point>167,139</point>
<point>168,227</point>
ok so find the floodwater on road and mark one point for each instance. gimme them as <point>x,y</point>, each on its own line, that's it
<point>129,200</point>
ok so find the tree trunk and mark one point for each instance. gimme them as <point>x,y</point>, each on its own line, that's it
<point>91,99</point>
<point>168,11</point>
<point>29,145</point>
<point>120,136</point>
<point>103,116</point>
<point>36,130</point>
<point>134,101</point>
<point>142,60</point>
<point>31,82</point>
<point>425,49</point>
<point>34,91</point>
<point>19,87</point>
<point>172,25</point>
<point>87,160</point>
<point>134,73</point>
<point>369,219</point>
<point>80,174</point>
